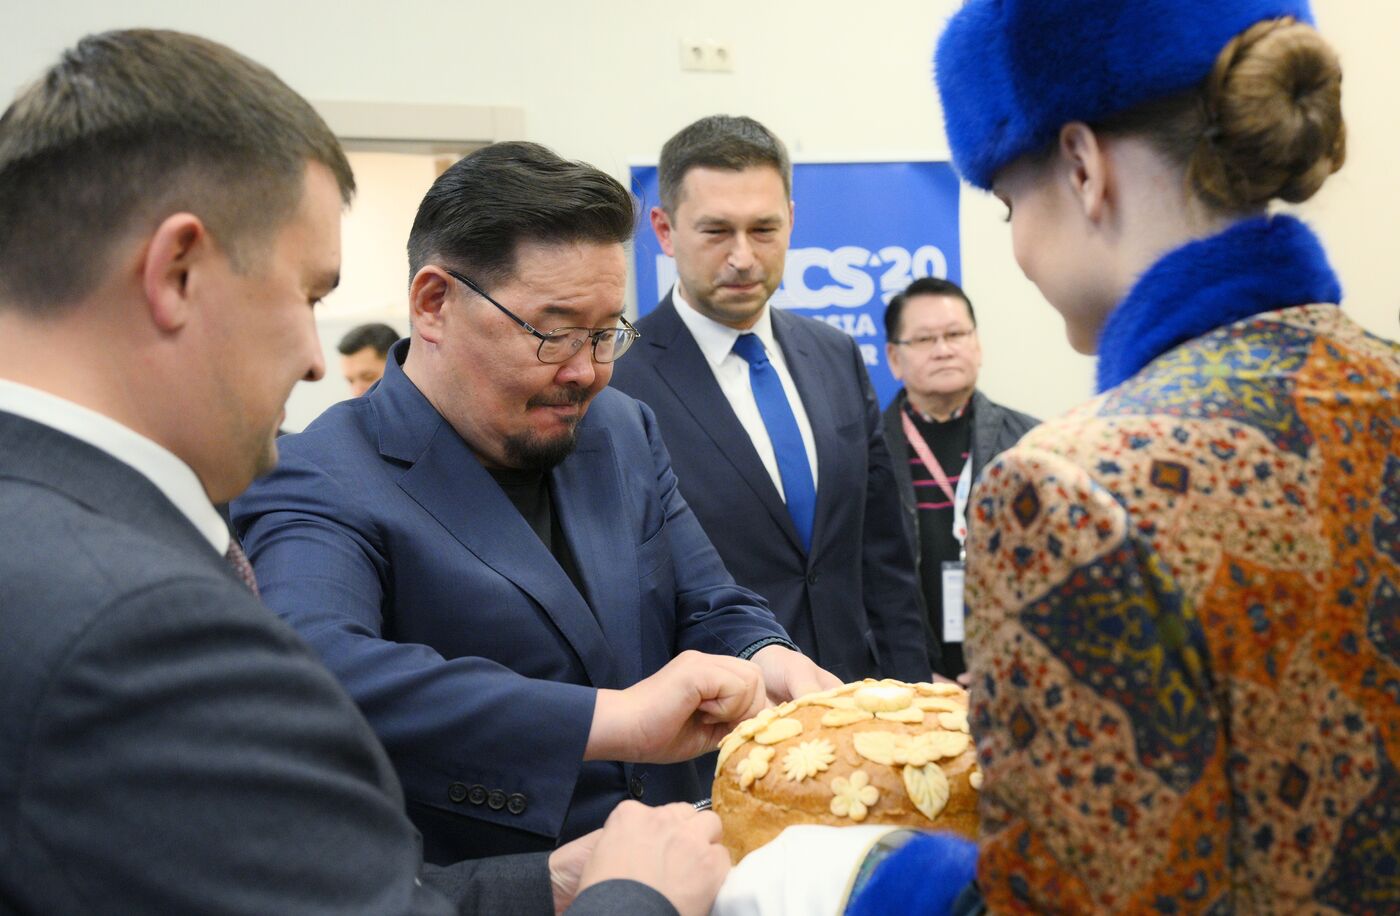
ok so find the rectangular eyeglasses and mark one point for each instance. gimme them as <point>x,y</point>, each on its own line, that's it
<point>560,344</point>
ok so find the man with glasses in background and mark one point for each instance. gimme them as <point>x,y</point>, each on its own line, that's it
<point>941,432</point>
<point>489,549</point>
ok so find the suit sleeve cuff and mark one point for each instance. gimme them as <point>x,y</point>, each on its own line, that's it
<point>621,895</point>
<point>754,648</point>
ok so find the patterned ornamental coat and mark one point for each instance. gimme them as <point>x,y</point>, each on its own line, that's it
<point>1185,628</point>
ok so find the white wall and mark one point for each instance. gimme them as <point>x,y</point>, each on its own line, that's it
<point>600,81</point>
<point>374,268</point>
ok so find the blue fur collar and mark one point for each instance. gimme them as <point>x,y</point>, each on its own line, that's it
<point>1260,264</point>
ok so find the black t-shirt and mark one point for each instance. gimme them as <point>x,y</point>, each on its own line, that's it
<point>529,492</point>
<point>951,443</point>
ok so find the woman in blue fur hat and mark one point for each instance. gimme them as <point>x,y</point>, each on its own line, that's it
<point>1184,596</point>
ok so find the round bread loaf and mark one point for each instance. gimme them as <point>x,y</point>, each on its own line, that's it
<point>872,752</point>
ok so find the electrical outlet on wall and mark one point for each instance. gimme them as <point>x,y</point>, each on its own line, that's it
<point>720,56</point>
<point>706,56</point>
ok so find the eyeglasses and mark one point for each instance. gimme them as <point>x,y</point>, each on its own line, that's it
<point>954,338</point>
<point>560,344</point>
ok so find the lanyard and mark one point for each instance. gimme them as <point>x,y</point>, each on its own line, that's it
<point>958,497</point>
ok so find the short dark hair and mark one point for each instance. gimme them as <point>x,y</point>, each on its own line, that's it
<point>131,126</point>
<point>379,336</point>
<point>924,286</point>
<point>479,211</point>
<point>719,142</point>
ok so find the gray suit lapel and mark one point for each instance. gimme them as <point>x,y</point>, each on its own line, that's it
<point>96,480</point>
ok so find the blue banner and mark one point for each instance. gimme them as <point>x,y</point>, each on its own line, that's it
<point>862,232</point>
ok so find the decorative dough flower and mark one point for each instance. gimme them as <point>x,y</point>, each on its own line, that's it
<point>755,766</point>
<point>854,796</point>
<point>808,759</point>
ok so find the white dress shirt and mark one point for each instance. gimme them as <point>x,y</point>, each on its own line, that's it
<point>716,342</point>
<point>170,475</point>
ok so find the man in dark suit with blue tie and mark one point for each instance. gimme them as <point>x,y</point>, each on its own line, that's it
<point>770,417</point>
<point>489,549</point>
<point>169,215</point>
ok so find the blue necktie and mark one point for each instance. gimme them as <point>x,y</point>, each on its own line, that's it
<point>793,468</point>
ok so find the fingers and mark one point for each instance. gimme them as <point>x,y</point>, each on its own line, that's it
<point>788,674</point>
<point>710,824</point>
<point>684,709</point>
<point>724,689</point>
<point>673,848</point>
<point>566,866</point>
<point>678,713</point>
<point>802,682</point>
<point>705,824</point>
<point>733,709</point>
<point>826,680</point>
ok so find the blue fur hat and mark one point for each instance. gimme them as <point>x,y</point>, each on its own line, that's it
<point>1012,72</point>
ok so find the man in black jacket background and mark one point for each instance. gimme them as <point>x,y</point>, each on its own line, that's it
<point>941,433</point>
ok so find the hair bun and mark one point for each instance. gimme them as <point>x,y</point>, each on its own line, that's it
<point>1274,124</point>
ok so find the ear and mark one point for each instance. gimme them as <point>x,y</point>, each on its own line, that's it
<point>661,225</point>
<point>792,214</point>
<point>426,296</point>
<point>179,243</point>
<point>892,358</point>
<point>1090,171</point>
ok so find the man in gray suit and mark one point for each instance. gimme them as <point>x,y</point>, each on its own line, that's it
<point>169,216</point>
<point>941,433</point>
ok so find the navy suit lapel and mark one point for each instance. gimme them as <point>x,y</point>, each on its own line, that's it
<point>588,497</point>
<point>677,359</point>
<point>807,375</point>
<point>448,481</point>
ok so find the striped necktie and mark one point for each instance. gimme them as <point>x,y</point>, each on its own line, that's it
<point>239,561</point>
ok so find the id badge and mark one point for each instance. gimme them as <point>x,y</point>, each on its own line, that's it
<point>953,611</point>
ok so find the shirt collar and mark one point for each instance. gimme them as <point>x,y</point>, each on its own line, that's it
<point>918,414</point>
<point>160,466</point>
<point>716,341</point>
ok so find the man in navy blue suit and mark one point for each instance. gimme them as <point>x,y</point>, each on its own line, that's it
<point>490,550</point>
<point>770,417</point>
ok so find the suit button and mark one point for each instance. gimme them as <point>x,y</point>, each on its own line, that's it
<point>811,578</point>
<point>457,792</point>
<point>516,804</point>
<point>496,800</point>
<point>635,788</point>
<point>476,795</point>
